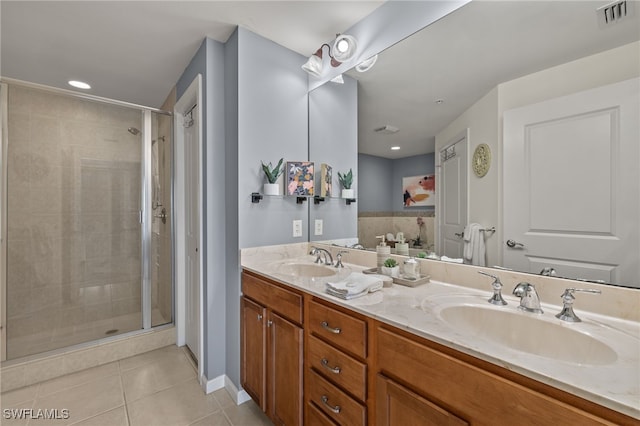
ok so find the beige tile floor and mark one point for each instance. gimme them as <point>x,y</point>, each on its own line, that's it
<point>154,388</point>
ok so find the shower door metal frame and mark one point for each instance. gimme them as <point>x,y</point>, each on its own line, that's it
<point>3,217</point>
<point>146,212</point>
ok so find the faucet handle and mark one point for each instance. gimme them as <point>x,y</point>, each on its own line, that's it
<point>339,258</point>
<point>568,298</point>
<point>496,299</point>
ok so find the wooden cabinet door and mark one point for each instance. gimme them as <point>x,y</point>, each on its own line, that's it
<point>254,344</point>
<point>398,406</point>
<point>285,371</point>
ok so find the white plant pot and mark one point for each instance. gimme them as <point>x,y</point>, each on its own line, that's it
<point>348,193</point>
<point>391,272</point>
<point>271,189</point>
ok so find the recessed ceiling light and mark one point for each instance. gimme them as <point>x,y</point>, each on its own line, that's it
<point>395,148</point>
<point>79,84</point>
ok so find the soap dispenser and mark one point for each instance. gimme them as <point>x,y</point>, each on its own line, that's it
<point>402,248</point>
<point>383,251</point>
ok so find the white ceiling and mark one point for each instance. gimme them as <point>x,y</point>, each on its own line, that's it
<point>135,51</point>
<point>466,54</point>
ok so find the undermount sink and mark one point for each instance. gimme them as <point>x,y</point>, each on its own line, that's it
<point>529,333</point>
<point>307,270</point>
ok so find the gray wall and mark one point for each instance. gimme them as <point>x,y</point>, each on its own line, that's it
<point>375,184</point>
<point>208,61</point>
<point>380,180</point>
<point>333,139</point>
<point>271,111</point>
<point>232,335</point>
<point>272,123</point>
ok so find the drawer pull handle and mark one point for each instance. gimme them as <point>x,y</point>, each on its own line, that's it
<point>325,401</point>
<point>325,325</point>
<point>325,364</point>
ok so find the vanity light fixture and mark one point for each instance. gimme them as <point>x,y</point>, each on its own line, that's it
<point>395,148</point>
<point>343,48</point>
<point>367,64</point>
<point>79,84</point>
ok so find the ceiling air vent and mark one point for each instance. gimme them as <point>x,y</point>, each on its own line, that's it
<point>386,130</point>
<point>614,12</point>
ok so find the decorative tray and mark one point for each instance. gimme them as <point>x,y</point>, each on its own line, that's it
<point>401,280</point>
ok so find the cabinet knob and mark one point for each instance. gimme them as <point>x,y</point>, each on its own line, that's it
<point>325,401</point>
<point>259,317</point>
<point>326,326</point>
<point>269,323</point>
<point>325,364</point>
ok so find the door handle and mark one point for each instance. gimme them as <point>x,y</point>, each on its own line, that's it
<point>514,244</point>
<point>459,234</point>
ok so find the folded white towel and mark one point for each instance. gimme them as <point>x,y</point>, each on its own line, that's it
<point>474,249</point>
<point>355,283</point>
<point>451,259</point>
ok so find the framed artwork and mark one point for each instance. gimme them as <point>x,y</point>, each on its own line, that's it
<point>300,178</point>
<point>419,191</point>
<point>326,177</point>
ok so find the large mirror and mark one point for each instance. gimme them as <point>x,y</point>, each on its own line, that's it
<point>448,89</point>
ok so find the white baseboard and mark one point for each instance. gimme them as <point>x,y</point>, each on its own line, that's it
<point>220,382</point>
<point>213,385</point>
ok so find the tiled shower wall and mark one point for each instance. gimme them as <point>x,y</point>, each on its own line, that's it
<point>381,223</point>
<point>73,271</point>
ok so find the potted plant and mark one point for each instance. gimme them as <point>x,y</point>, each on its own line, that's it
<point>272,174</point>
<point>346,180</point>
<point>391,268</point>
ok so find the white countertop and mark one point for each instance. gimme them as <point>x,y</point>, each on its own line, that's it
<point>615,385</point>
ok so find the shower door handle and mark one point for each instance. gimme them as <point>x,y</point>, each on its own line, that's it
<point>162,215</point>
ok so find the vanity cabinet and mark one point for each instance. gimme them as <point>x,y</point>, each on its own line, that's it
<point>336,365</point>
<point>448,387</point>
<point>271,348</point>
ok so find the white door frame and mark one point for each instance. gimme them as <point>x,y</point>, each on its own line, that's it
<point>192,96</point>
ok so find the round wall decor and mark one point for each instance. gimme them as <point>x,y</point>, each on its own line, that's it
<point>481,160</point>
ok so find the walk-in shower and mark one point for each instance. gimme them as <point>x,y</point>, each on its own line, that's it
<point>87,256</point>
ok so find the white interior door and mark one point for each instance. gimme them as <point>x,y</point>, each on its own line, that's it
<point>571,185</point>
<point>453,199</point>
<point>192,231</point>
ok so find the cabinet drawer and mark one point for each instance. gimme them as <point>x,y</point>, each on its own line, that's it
<point>286,303</point>
<point>338,367</point>
<point>397,405</point>
<point>315,417</point>
<point>342,330</point>
<point>336,404</point>
<point>467,390</point>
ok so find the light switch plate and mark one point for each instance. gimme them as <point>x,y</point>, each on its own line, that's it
<point>318,229</point>
<point>297,228</point>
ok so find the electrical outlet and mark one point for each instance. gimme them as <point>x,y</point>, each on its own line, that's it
<point>318,230</point>
<point>297,228</point>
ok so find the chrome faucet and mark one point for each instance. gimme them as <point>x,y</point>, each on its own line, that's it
<point>496,299</point>
<point>529,300</point>
<point>568,298</point>
<point>320,252</point>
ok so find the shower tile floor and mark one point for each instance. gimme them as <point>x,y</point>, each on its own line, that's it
<point>65,336</point>
<point>155,388</point>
